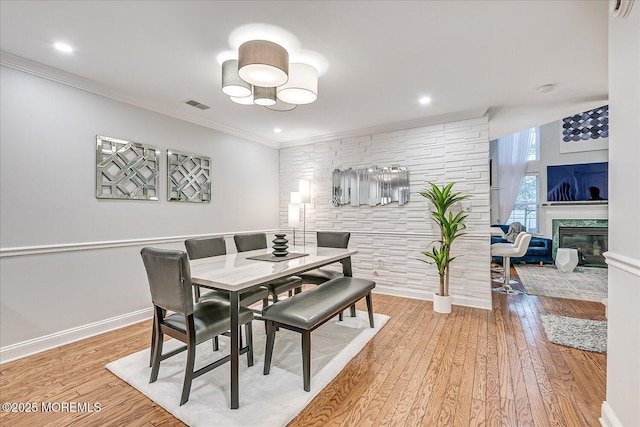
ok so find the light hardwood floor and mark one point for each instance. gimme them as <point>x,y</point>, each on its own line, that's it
<point>473,367</point>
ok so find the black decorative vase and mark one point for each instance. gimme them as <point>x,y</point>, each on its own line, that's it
<point>280,245</point>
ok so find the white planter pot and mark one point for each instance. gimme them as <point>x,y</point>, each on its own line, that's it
<point>441,304</point>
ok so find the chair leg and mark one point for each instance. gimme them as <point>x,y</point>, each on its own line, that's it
<point>153,340</point>
<point>506,287</point>
<point>370,309</point>
<point>158,339</point>
<point>157,352</point>
<point>298,290</point>
<point>188,372</point>
<point>154,333</point>
<point>249,332</point>
<point>306,360</point>
<point>271,336</point>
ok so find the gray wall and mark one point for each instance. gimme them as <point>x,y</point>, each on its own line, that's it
<point>623,353</point>
<point>68,259</point>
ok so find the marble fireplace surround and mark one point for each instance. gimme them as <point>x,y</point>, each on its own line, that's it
<point>573,215</point>
<point>590,223</point>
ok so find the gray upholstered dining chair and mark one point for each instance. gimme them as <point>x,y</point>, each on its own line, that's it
<point>328,239</point>
<point>251,242</point>
<point>169,278</point>
<point>215,246</point>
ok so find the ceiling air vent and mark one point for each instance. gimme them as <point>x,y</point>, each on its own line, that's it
<point>197,104</point>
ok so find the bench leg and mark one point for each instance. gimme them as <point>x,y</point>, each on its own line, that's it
<point>353,310</point>
<point>306,360</point>
<point>340,316</point>
<point>271,337</point>
<point>216,344</point>
<point>370,309</point>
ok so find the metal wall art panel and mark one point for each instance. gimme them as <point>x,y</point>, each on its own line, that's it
<point>126,170</point>
<point>371,186</point>
<point>188,177</point>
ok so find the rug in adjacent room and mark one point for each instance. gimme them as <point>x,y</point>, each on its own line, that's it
<point>583,334</point>
<point>265,400</point>
<point>584,283</point>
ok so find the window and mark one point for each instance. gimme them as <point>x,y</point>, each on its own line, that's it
<point>534,146</point>
<point>525,210</point>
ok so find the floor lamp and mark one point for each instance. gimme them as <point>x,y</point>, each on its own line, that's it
<point>304,190</point>
<point>294,214</point>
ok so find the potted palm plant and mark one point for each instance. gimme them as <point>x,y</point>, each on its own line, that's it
<point>451,227</point>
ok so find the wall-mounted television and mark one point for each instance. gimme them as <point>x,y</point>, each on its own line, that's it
<point>578,183</point>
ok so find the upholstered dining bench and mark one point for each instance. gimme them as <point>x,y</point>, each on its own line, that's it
<point>309,310</point>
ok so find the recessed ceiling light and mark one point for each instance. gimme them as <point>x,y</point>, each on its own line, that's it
<point>63,47</point>
<point>277,130</point>
<point>424,100</point>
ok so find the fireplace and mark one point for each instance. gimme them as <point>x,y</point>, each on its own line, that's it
<point>591,243</point>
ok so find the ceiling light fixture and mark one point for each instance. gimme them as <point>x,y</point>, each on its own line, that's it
<point>424,100</point>
<point>277,130</point>
<point>263,75</point>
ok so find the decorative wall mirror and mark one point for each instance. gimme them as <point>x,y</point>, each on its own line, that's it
<point>371,186</point>
<point>188,177</point>
<point>126,170</point>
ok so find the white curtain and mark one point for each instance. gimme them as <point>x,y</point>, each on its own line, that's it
<point>513,151</point>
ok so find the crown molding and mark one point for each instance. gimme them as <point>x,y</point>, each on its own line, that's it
<point>390,127</point>
<point>50,73</point>
<point>44,71</point>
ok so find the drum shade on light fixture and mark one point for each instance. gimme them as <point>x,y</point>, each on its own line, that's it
<point>243,100</point>
<point>264,96</point>
<point>232,84</point>
<point>302,87</point>
<point>263,63</point>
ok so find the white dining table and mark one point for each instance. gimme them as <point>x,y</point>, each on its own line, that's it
<point>236,273</point>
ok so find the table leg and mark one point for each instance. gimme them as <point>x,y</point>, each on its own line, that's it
<point>234,299</point>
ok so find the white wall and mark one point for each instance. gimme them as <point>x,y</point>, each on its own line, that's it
<point>623,358</point>
<point>389,238</point>
<point>550,154</point>
<point>69,279</point>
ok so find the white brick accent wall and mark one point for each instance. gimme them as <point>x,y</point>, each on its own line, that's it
<point>389,238</point>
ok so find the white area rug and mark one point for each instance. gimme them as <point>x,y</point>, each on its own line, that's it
<point>583,334</point>
<point>584,283</point>
<point>265,400</point>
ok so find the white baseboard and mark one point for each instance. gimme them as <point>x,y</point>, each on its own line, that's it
<point>47,342</point>
<point>425,295</point>
<point>609,418</point>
